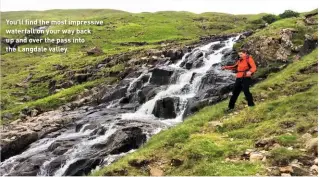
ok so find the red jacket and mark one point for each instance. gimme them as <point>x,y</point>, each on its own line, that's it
<point>242,66</point>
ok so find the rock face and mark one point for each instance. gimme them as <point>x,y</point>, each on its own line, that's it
<point>166,107</point>
<point>20,134</point>
<point>267,49</point>
<point>17,143</point>
<point>214,87</point>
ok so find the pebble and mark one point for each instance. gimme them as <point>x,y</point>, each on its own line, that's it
<point>290,148</point>
<point>316,161</point>
<point>286,169</point>
<point>314,168</point>
<point>255,156</point>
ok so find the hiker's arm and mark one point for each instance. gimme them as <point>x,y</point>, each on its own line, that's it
<point>252,64</point>
<point>232,67</point>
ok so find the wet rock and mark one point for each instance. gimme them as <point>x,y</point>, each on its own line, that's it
<point>82,167</point>
<point>127,139</point>
<point>124,100</point>
<point>123,140</point>
<point>217,46</point>
<point>13,147</point>
<point>161,76</point>
<point>116,94</point>
<point>29,167</point>
<point>78,127</point>
<point>166,107</point>
<point>56,164</point>
<point>60,151</point>
<point>193,60</point>
<point>150,91</point>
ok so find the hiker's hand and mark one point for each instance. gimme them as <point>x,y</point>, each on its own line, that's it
<point>223,67</point>
<point>248,73</point>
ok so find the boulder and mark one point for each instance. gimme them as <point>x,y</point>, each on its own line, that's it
<point>312,145</point>
<point>82,166</point>
<point>255,156</point>
<point>29,167</point>
<point>154,171</point>
<point>17,145</point>
<point>217,46</point>
<point>174,54</point>
<point>161,76</point>
<point>126,139</point>
<point>166,107</point>
<point>116,94</point>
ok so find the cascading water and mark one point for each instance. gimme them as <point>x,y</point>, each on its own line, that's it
<point>184,79</point>
<point>76,152</point>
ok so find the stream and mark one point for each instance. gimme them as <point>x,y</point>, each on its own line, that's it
<point>142,104</point>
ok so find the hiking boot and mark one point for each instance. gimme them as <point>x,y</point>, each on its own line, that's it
<point>228,110</point>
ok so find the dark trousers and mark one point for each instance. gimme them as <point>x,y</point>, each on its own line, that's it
<point>241,84</point>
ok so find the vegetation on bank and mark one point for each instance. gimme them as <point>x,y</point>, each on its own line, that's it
<point>211,143</point>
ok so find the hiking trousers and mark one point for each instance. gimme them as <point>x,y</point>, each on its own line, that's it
<point>241,84</point>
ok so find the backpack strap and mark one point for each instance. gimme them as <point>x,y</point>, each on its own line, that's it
<point>247,60</point>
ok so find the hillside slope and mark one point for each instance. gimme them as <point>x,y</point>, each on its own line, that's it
<point>48,80</point>
<point>278,134</point>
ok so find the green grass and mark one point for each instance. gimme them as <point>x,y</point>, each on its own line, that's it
<point>60,98</point>
<point>119,27</point>
<point>285,101</point>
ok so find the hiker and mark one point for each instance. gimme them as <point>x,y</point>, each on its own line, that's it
<point>244,67</point>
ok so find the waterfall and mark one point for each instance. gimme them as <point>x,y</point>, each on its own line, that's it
<point>99,125</point>
<point>175,89</point>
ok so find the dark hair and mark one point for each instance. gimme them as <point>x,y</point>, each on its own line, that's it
<point>242,50</point>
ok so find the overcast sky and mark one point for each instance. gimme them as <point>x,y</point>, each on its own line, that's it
<point>197,6</point>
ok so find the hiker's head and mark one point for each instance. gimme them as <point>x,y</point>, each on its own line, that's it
<point>242,53</point>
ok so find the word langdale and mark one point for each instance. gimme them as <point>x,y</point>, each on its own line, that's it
<point>37,49</point>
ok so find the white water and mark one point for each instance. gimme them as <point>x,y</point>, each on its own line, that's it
<point>145,111</point>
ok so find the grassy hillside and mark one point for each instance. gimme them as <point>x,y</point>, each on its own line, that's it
<point>213,143</point>
<point>119,29</point>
